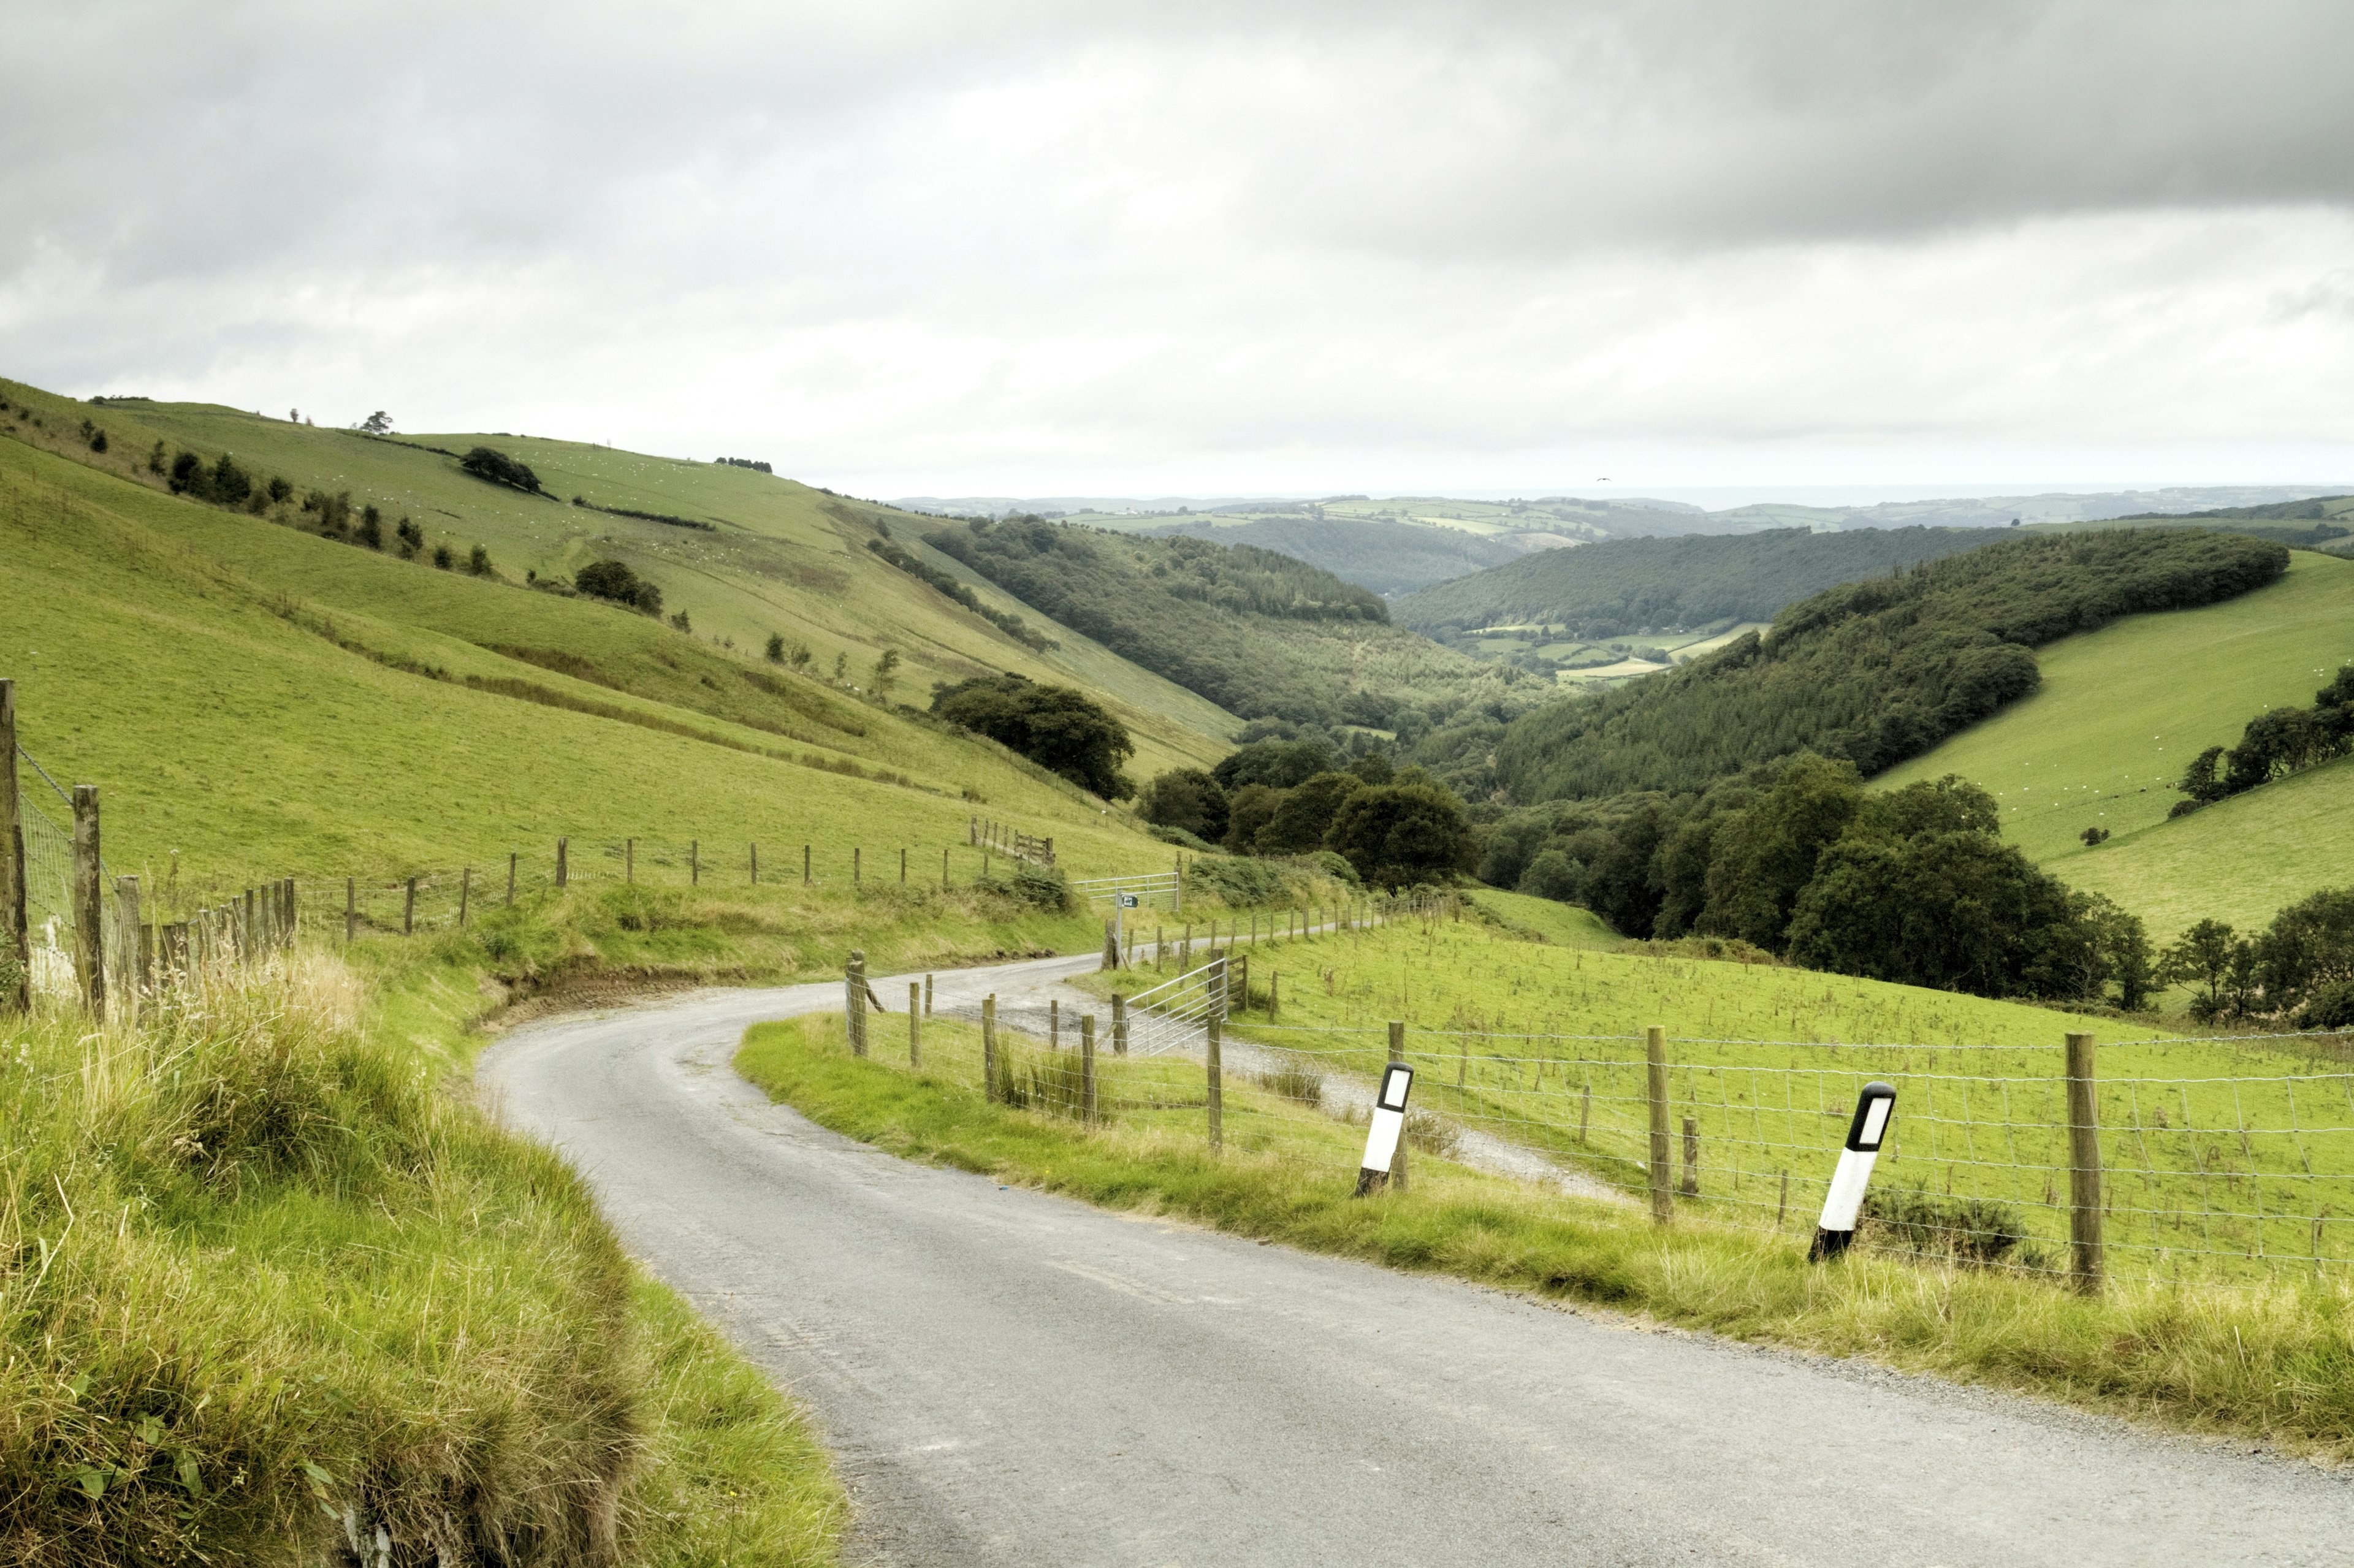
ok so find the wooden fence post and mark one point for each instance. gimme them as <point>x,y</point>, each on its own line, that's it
<point>1215,1084</point>
<point>126,948</point>
<point>1111,960</point>
<point>16,933</point>
<point>1397,1054</point>
<point>944,870</point>
<point>755,866</point>
<point>465,894</point>
<point>352,909</point>
<point>927,996</point>
<point>903,868</point>
<point>1274,993</point>
<point>408,911</point>
<point>857,874</point>
<point>629,861</point>
<point>1119,1024</point>
<point>1655,1052</point>
<point>915,1010</point>
<point>854,1003</point>
<point>1689,1186</point>
<point>563,863</point>
<point>989,1047</point>
<point>805,865</point>
<point>1088,1066</point>
<point>90,936</point>
<point>694,863</point>
<point>1054,1024</point>
<point>2083,1167</point>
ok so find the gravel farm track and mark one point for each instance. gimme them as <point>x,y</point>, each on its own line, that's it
<point>1008,1377</point>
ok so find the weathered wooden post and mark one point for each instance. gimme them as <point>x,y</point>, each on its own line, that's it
<point>2083,1167</point>
<point>1088,1066</point>
<point>805,865</point>
<point>755,866</point>
<point>1689,1185</point>
<point>563,863</point>
<point>465,894</point>
<point>1215,1084</point>
<point>944,870</point>
<point>854,989</point>
<point>989,1047</point>
<point>126,948</point>
<point>1274,997</point>
<point>1054,1024</point>
<point>903,867</point>
<point>351,909</point>
<point>694,863</point>
<point>513,860</point>
<point>857,874</point>
<point>89,934</point>
<point>408,910</point>
<point>1119,1024</point>
<point>915,1010</point>
<point>1397,1054</point>
<point>1655,1053</point>
<point>15,932</point>
<point>1110,946</point>
<point>629,861</point>
<point>927,996</point>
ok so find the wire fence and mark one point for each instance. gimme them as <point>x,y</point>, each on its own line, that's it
<point>2227,1157</point>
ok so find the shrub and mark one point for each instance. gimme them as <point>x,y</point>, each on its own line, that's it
<point>479,562</point>
<point>616,583</point>
<point>1183,840</point>
<point>1336,866</point>
<point>1241,880</point>
<point>1062,730</point>
<point>1967,1230</point>
<point>2330,1008</point>
<point>371,530</point>
<point>776,648</point>
<point>1293,1081</point>
<point>1185,798</point>
<point>443,557</point>
<point>497,468</point>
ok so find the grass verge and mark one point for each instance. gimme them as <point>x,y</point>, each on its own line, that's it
<point>2272,1361</point>
<point>270,1294</point>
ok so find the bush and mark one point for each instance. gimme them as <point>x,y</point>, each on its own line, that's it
<point>1293,1081</point>
<point>497,468</point>
<point>2331,1009</point>
<point>1185,798</point>
<point>1041,887</point>
<point>479,562</point>
<point>1967,1230</point>
<point>776,648</point>
<point>1183,840</point>
<point>1400,834</point>
<point>443,558</point>
<point>616,583</point>
<point>1240,881</point>
<point>1062,730</point>
<point>1336,866</point>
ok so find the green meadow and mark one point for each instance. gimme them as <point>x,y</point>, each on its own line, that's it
<point>2225,1157</point>
<point>2121,713</point>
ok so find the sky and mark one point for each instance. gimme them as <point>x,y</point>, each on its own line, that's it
<point>1218,248</point>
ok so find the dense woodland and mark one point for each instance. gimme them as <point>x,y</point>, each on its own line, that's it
<point>1874,672</point>
<point>1262,635</point>
<point>1622,587</point>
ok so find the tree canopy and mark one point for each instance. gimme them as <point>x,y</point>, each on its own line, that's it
<point>1062,730</point>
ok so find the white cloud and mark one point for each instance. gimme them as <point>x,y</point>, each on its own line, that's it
<point>1056,248</point>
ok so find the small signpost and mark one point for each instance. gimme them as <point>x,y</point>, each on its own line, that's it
<point>1388,1126</point>
<point>1844,1201</point>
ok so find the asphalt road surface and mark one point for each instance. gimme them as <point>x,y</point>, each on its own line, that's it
<point>1008,1377</point>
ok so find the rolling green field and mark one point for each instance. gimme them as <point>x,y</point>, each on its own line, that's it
<point>778,557</point>
<point>255,700</point>
<point>2121,713</point>
<point>2225,1158</point>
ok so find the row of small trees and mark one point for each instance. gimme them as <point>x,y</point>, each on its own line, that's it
<point>2274,745</point>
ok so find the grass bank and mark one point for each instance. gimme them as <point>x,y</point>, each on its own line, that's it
<point>272,1291</point>
<point>2275,1362</point>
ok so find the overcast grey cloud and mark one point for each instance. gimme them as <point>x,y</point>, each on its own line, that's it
<point>911,247</point>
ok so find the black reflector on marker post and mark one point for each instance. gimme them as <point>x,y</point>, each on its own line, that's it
<point>1389,1123</point>
<point>1873,1108</point>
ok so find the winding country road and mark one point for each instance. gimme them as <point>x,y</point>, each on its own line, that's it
<point>1013,1378</point>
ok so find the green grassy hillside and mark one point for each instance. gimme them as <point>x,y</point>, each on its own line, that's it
<point>2120,713</point>
<point>777,558</point>
<point>257,700</point>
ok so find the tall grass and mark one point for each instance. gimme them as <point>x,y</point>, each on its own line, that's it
<point>269,1296</point>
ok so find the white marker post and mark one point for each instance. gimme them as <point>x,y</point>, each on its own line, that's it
<point>1389,1123</point>
<point>1845,1201</point>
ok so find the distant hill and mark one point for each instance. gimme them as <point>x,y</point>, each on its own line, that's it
<point>1877,671</point>
<point>1258,633</point>
<point>1388,557</point>
<point>1627,586</point>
